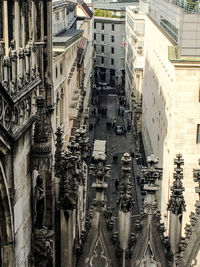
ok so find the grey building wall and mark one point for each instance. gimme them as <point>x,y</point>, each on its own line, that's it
<point>110,53</point>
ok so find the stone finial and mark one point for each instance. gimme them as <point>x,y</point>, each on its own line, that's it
<point>100,171</point>
<point>125,200</point>
<point>68,187</point>
<point>82,139</point>
<point>176,202</point>
<point>41,135</point>
<point>152,173</point>
<point>58,152</point>
<point>196,178</point>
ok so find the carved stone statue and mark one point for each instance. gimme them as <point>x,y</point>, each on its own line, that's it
<point>39,203</point>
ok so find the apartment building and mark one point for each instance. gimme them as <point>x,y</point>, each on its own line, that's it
<point>109,43</point>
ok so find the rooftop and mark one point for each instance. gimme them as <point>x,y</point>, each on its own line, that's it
<point>66,37</point>
<point>114,5</point>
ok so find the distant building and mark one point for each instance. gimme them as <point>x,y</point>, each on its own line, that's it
<point>65,41</point>
<point>109,43</point>
<point>134,61</point>
<point>71,24</point>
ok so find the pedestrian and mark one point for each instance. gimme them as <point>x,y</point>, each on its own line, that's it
<point>116,184</point>
<point>116,159</point>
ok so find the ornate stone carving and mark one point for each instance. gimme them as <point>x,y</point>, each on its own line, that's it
<point>13,55</point>
<point>68,187</point>
<point>27,77</point>
<point>33,73</point>
<point>13,87</point>
<point>41,143</point>
<point>7,117</point>
<point>101,172</point>
<point>20,81</point>
<point>58,153</point>
<point>99,169</point>
<point>21,53</point>
<point>27,51</point>
<point>125,200</point>
<point>6,61</point>
<point>1,50</point>
<point>39,203</point>
<point>42,248</point>
<point>151,174</point>
<point>69,168</point>
<point>176,202</point>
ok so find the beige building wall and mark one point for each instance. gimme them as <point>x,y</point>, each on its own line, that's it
<point>65,90</point>
<point>186,118</point>
<point>171,112</point>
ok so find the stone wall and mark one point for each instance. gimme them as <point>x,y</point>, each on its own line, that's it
<point>22,199</point>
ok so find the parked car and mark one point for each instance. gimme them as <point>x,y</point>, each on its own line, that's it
<point>119,130</point>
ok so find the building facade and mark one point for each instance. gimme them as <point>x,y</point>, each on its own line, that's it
<point>170,88</point>
<point>109,37</point>
<point>72,65</point>
<point>25,75</point>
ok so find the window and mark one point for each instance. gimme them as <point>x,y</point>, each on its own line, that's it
<point>112,39</point>
<point>112,61</point>
<point>94,36</point>
<point>198,133</point>
<point>102,60</point>
<point>102,49</point>
<point>102,37</point>
<point>113,27</point>
<point>102,26</point>
<point>95,24</point>
<point>169,28</point>
<point>112,50</point>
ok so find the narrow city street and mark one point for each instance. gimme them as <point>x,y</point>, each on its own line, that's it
<point>116,145</point>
